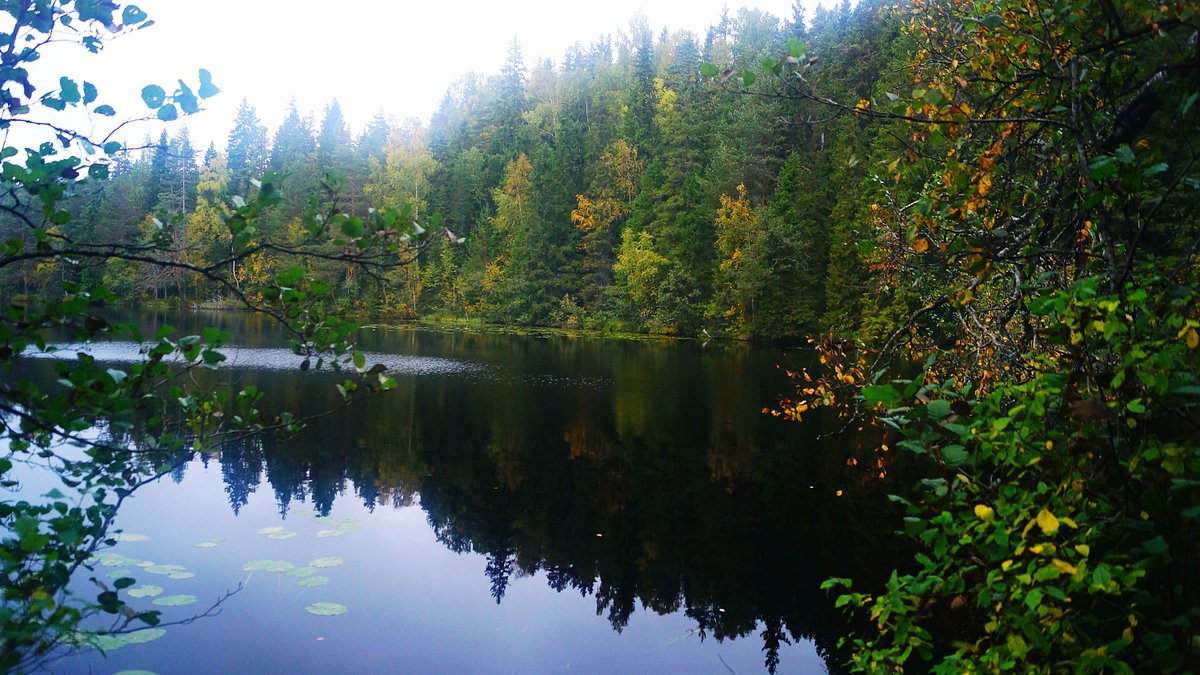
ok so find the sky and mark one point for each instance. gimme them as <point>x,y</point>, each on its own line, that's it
<point>392,57</point>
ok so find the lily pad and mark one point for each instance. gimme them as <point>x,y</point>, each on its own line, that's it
<point>268,566</point>
<point>302,572</point>
<point>145,591</point>
<point>331,561</point>
<point>326,609</point>
<point>211,542</point>
<point>270,530</point>
<point>176,600</point>
<point>107,643</point>
<point>282,534</point>
<point>165,569</point>
<point>181,575</point>
<point>126,537</point>
<point>116,560</point>
<point>117,574</point>
<point>313,582</point>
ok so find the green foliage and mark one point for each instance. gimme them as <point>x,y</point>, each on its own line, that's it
<point>152,412</point>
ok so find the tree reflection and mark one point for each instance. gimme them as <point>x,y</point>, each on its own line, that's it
<point>630,472</point>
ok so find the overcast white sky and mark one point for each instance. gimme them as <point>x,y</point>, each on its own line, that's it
<point>395,57</point>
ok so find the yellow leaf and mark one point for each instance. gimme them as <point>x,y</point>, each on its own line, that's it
<point>985,513</point>
<point>1064,566</point>
<point>1083,549</point>
<point>921,245</point>
<point>1006,564</point>
<point>863,104</point>
<point>1193,339</point>
<point>1047,522</point>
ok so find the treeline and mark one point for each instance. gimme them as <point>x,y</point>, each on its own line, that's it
<point>616,190</point>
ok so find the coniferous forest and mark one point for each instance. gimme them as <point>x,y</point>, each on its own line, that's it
<point>616,190</point>
<point>978,217</point>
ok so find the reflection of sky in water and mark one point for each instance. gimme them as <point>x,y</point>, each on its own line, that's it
<point>413,605</point>
<point>260,358</point>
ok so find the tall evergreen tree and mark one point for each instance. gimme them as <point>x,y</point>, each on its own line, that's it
<point>247,149</point>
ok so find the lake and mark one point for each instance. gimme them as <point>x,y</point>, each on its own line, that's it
<point>518,504</point>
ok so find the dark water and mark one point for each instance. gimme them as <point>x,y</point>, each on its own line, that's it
<point>517,505</point>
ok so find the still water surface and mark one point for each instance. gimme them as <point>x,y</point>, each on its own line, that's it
<point>519,504</point>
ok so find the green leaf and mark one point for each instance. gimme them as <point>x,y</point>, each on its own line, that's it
<point>796,47</point>
<point>326,609</point>
<point>885,394</point>
<point>352,227</point>
<point>749,78</point>
<point>132,15</point>
<point>176,600</point>
<point>68,90</point>
<point>709,70</point>
<point>107,111</point>
<point>992,20</point>
<point>360,360</point>
<point>98,171</point>
<point>168,113</point>
<point>207,89</point>
<point>54,103</point>
<point>154,95</point>
<point>939,409</point>
<point>89,93</point>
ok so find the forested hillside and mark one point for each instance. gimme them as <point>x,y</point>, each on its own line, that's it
<point>614,189</point>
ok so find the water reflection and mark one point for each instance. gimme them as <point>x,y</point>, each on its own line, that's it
<point>634,473</point>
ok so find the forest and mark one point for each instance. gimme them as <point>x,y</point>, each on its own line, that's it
<point>978,215</point>
<point>616,190</point>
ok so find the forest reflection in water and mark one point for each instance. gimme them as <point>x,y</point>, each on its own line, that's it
<point>632,472</point>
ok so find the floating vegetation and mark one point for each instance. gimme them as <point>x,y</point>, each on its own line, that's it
<point>301,572</point>
<point>282,534</point>
<point>145,591</point>
<point>107,643</point>
<point>340,527</point>
<point>279,566</point>
<point>143,563</point>
<point>313,582</point>
<point>125,537</point>
<point>270,530</point>
<point>165,569</point>
<point>117,574</point>
<point>331,561</point>
<point>211,542</point>
<point>176,600</point>
<point>326,609</point>
<point>116,560</point>
<point>181,575</point>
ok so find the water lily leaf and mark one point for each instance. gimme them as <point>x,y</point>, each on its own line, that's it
<point>313,582</point>
<point>176,600</point>
<point>107,643</point>
<point>165,569</point>
<point>301,572</point>
<point>331,561</point>
<point>270,530</point>
<point>210,542</point>
<point>331,533</point>
<point>117,574</point>
<point>130,536</point>
<point>145,591</point>
<point>268,566</point>
<point>143,563</point>
<point>181,575</point>
<point>284,534</point>
<point>326,609</point>
<point>116,560</point>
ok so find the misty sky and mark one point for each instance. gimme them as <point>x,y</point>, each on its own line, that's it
<point>394,57</point>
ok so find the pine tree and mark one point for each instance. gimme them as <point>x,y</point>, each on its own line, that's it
<point>247,149</point>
